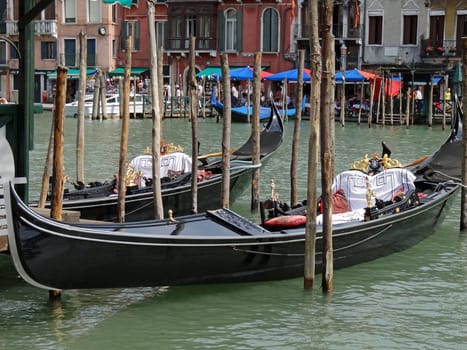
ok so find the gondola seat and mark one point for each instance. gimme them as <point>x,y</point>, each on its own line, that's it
<point>383,185</point>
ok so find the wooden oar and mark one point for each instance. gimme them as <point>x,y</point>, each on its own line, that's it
<point>416,161</point>
<point>216,154</point>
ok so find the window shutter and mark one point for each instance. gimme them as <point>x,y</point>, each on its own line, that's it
<point>136,36</point>
<point>239,31</point>
<point>274,32</point>
<point>124,35</point>
<point>267,31</point>
<point>221,37</point>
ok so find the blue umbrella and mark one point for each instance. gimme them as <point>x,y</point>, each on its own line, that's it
<point>354,75</point>
<point>290,75</point>
<point>245,73</point>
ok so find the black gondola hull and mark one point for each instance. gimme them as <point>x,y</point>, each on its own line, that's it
<point>200,248</point>
<point>140,206</point>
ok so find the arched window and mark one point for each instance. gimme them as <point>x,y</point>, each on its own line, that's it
<point>270,30</point>
<point>230,30</point>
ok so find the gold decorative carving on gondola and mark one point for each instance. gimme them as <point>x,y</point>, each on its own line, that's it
<point>131,175</point>
<point>375,164</point>
<point>166,148</point>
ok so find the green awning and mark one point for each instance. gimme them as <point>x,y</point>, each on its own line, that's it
<point>72,73</point>
<point>214,72</point>
<point>210,71</point>
<point>134,71</point>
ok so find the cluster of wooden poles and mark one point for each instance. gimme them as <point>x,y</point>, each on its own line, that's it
<point>321,131</point>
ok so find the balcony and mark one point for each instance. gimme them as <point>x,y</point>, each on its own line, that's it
<point>45,27</point>
<point>183,44</point>
<point>431,49</point>
<point>346,33</point>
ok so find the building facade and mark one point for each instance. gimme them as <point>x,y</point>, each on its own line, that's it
<point>369,34</point>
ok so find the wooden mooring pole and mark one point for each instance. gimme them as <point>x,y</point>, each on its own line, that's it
<point>80,120</point>
<point>256,132</point>
<point>463,223</point>
<point>59,126</point>
<point>226,130</point>
<point>315,100</point>
<point>58,170</point>
<point>156,113</point>
<point>193,91</point>
<point>327,143</point>
<point>122,169</point>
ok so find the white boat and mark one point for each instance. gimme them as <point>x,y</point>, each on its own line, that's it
<point>139,104</point>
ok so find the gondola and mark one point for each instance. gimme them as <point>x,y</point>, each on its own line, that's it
<point>240,114</point>
<point>100,202</point>
<point>218,246</point>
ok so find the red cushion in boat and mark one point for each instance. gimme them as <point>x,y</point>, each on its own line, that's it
<point>285,221</point>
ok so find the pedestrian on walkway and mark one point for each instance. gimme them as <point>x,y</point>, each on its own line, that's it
<point>418,96</point>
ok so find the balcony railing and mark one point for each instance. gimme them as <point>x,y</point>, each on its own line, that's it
<point>183,44</point>
<point>46,27</point>
<point>439,48</point>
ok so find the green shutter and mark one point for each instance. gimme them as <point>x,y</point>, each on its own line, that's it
<point>274,32</point>
<point>267,31</point>
<point>239,31</point>
<point>221,32</point>
<point>137,36</point>
<point>124,35</point>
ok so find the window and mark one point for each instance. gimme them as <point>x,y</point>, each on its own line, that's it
<point>94,11</point>
<point>409,30</point>
<point>114,14</point>
<point>184,23</point>
<point>49,12</point>
<point>230,30</point>
<point>70,11</point>
<point>437,30</point>
<point>3,45</point>
<point>190,29</point>
<point>91,59</point>
<point>48,50</point>
<point>131,28</point>
<point>204,34</point>
<point>70,52</point>
<point>161,33</point>
<point>13,52</point>
<point>461,30</point>
<point>114,48</point>
<point>270,31</point>
<point>375,30</point>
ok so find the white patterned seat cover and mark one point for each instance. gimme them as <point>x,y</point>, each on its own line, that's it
<point>384,184</point>
<point>176,161</point>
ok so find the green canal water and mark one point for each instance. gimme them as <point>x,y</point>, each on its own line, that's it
<point>415,299</point>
